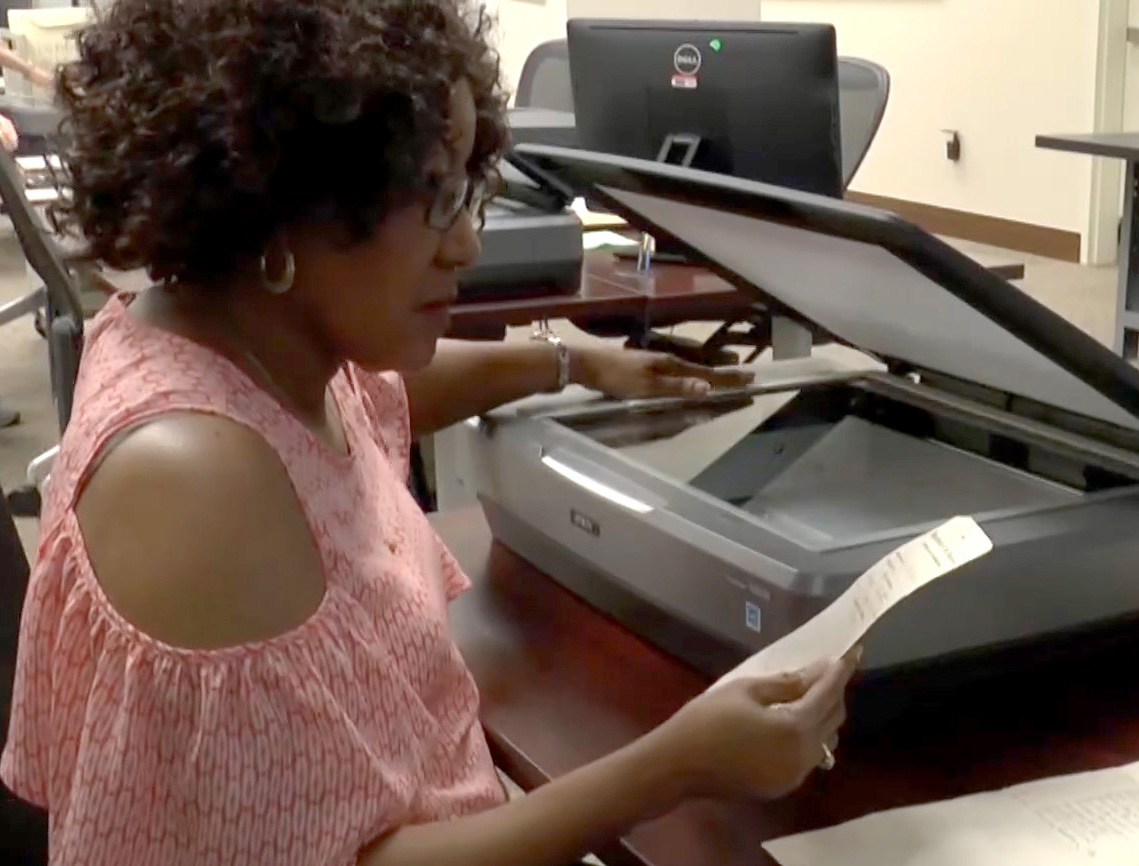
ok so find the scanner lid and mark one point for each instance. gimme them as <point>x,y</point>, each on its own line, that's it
<point>865,276</point>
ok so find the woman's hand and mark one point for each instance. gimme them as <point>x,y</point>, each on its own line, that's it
<point>631,373</point>
<point>9,138</point>
<point>759,738</point>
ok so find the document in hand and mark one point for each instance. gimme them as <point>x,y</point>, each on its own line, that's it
<point>1084,818</point>
<point>843,624</point>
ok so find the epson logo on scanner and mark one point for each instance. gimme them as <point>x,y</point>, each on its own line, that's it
<point>585,524</point>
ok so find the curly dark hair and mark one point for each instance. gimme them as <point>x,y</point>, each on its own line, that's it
<point>196,130</point>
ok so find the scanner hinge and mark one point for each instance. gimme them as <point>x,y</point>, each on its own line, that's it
<point>550,195</point>
<point>1113,447</point>
<point>936,381</point>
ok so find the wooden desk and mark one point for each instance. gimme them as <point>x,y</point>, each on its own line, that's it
<point>562,685</point>
<point>1004,267</point>
<point>600,294</point>
<point>609,287</point>
<point>1117,145</point>
<point>673,292</point>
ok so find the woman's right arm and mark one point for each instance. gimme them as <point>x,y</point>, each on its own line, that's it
<point>747,739</point>
<point>555,825</point>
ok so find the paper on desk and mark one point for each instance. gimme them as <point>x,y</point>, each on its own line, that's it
<point>1080,819</point>
<point>592,220</point>
<point>840,626</point>
<point>597,240</point>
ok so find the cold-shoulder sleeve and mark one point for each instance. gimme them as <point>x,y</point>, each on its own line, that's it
<point>147,754</point>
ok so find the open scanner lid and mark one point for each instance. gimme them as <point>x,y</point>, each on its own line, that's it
<point>868,277</point>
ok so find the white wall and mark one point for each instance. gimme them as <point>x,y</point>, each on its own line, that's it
<point>999,71</point>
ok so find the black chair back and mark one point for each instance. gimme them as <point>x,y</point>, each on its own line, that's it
<point>64,301</point>
<point>23,827</point>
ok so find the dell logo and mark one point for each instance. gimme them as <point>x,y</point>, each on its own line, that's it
<point>687,60</point>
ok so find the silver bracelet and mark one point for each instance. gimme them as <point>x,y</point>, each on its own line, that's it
<point>543,333</point>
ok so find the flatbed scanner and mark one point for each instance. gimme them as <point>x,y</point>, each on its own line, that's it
<point>714,526</point>
<point>531,244</point>
<point>529,125</point>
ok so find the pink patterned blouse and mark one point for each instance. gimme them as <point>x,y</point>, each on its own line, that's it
<point>294,751</point>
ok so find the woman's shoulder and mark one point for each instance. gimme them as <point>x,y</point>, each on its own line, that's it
<point>141,641</point>
<point>134,374</point>
<point>195,534</point>
<point>122,346</point>
<point>132,371</point>
<point>186,570</point>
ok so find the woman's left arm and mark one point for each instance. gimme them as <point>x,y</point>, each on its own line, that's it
<point>467,379</point>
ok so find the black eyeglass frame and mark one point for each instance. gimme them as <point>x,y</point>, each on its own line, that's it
<point>451,195</point>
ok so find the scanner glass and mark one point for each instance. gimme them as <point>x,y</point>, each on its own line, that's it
<point>808,465</point>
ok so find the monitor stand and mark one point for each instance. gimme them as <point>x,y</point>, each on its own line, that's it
<point>677,149</point>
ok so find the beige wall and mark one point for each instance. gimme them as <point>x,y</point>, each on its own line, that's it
<point>1000,72</point>
<point>1131,72</point>
<point>723,10</point>
<point>522,24</point>
<point>526,23</point>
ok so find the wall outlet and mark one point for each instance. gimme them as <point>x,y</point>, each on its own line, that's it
<point>952,144</point>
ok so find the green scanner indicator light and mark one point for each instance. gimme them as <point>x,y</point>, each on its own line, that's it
<point>716,44</point>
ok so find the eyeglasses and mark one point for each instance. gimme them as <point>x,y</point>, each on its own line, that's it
<point>453,195</point>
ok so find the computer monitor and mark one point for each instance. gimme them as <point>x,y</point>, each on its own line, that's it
<point>751,100</point>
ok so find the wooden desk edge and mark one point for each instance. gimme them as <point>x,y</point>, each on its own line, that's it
<point>918,762</point>
<point>1089,146</point>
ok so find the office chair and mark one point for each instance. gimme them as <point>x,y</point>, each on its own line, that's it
<point>864,91</point>
<point>34,301</point>
<point>23,827</point>
<point>545,78</point>
<point>36,123</point>
<point>63,320</point>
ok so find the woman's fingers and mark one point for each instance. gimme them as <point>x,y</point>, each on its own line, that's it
<point>719,377</point>
<point>827,691</point>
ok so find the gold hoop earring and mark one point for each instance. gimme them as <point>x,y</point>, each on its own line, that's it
<point>284,282</point>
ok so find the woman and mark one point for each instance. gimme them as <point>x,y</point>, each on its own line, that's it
<point>235,644</point>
